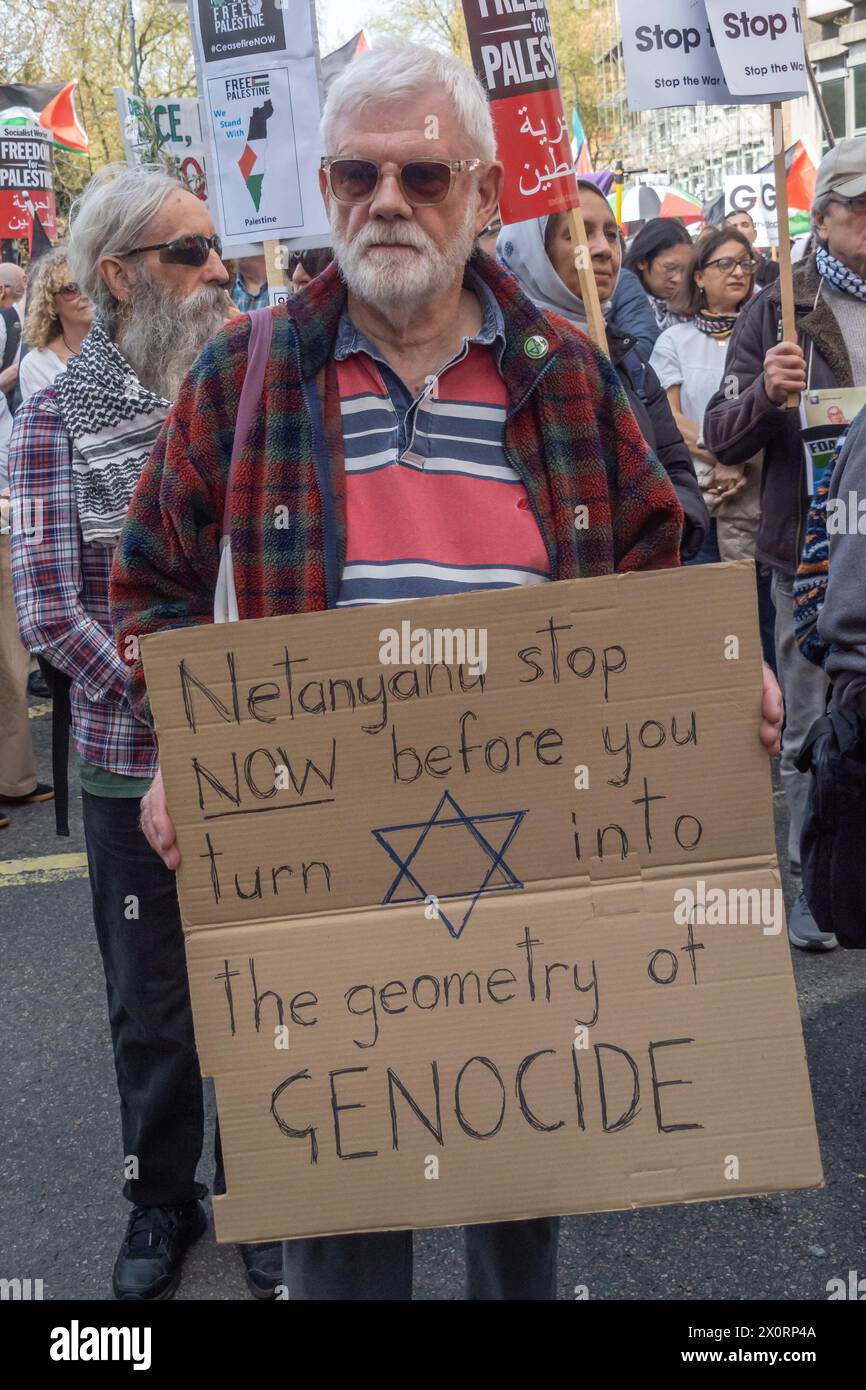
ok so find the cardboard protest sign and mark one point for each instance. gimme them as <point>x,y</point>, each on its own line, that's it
<point>257,64</point>
<point>756,195</point>
<point>26,180</point>
<point>177,123</point>
<point>760,47</point>
<point>672,59</point>
<point>514,59</point>
<point>484,921</point>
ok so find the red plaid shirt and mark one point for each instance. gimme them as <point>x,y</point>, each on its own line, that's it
<point>61,593</point>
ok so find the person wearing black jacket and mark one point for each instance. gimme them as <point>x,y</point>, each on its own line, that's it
<point>651,409</point>
<point>541,257</point>
<point>751,414</point>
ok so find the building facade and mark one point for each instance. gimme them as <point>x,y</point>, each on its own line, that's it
<point>838,55</point>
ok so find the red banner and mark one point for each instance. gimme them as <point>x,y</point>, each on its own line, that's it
<point>514,59</point>
<point>26,180</point>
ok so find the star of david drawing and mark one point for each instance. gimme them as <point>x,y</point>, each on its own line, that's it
<point>496,876</point>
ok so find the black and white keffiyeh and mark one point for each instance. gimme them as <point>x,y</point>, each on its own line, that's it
<point>840,276</point>
<point>113,422</point>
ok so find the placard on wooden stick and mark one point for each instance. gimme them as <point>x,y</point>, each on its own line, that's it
<point>786,269</point>
<point>514,59</point>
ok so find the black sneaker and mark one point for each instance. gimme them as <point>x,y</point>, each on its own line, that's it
<point>41,792</point>
<point>264,1267</point>
<point>36,686</point>
<point>151,1256</point>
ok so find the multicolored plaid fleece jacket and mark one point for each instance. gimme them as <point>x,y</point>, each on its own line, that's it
<point>569,433</point>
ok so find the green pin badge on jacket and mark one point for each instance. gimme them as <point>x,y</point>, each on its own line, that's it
<point>536,347</point>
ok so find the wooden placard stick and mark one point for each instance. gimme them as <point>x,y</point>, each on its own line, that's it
<point>276,269</point>
<point>786,280</point>
<point>588,287</point>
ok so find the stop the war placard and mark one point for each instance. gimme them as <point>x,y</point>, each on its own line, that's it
<point>760,47</point>
<point>681,52</point>
<point>482,912</point>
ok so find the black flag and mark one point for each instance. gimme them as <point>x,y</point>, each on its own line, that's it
<point>39,242</point>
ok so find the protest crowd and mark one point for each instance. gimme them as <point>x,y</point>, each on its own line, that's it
<point>149,391</point>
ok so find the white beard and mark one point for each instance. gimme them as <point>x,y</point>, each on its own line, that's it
<point>409,278</point>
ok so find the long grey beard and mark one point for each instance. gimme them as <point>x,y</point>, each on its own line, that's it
<point>163,335</point>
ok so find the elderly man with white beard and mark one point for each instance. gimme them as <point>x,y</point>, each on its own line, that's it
<point>143,249</point>
<point>429,432</point>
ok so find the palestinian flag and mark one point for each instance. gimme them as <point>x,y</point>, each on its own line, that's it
<point>252,162</point>
<point>49,104</point>
<point>334,63</point>
<point>801,185</point>
<point>580,145</point>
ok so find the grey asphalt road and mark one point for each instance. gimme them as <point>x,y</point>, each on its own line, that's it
<point>62,1214</point>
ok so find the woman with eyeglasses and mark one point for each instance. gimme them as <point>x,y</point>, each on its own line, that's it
<point>57,321</point>
<point>659,256</point>
<point>689,359</point>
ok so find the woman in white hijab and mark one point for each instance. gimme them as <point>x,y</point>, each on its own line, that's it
<point>540,255</point>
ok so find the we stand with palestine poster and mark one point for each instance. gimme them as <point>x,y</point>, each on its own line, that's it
<point>257,63</point>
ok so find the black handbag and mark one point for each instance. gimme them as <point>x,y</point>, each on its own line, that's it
<point>833,843</point>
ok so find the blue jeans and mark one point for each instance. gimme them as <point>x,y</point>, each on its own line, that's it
<point>507,1260</point>
<point>711,555</point>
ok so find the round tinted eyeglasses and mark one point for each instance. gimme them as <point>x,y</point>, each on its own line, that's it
<point>70,291</point>
<point>193,249</point>
<point>423,181</point>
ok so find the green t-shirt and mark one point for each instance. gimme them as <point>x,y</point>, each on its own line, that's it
<point>99,781</point>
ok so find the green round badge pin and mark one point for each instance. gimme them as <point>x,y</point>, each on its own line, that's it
<point>536,347</point>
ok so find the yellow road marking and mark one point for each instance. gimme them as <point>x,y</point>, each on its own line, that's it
<point>37,711</point>
<point>49,868</point>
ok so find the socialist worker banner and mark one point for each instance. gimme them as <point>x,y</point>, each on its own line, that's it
<point>513,56</point>
<point>26,179</point>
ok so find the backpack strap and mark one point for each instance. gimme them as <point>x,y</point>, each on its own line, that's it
<point>225,603</point>
<point>258,353</point>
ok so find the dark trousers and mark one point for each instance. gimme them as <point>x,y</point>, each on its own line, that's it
<point>138,928</point>
<point>711,555</point>
<point>508,1260</point>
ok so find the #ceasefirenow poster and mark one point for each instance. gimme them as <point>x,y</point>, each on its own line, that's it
<point>257,63</point>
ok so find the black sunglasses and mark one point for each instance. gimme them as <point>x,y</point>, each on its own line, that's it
<point>313,262</point>
<point>423,181</point>
<point>184,250</point>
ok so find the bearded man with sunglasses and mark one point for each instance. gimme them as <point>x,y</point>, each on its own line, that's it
<point>143,250</point>
<point>432,432</point>
<point>750,414</point>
